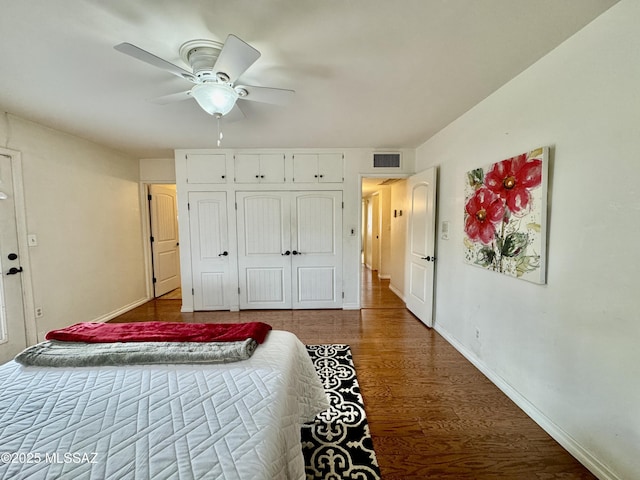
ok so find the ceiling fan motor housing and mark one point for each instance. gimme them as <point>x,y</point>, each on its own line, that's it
<point>202,56</point>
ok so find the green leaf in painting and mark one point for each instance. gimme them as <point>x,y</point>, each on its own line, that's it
<point>527,263</point>
<point>476,177</point>
<point>514,244</point>
<point>485,257</point>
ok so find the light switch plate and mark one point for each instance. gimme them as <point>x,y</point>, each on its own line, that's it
<point>445,231</point>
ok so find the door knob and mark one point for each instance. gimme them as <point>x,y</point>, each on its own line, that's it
<point>14,270</point>
<point>295,252</point>
<point>428,258</point>
<point>288,252</point>
<point>223,254</point>
<point>12,256</point>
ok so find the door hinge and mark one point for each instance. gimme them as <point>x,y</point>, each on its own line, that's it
<point>343,295</point>
<point>238,290</point>
<point>188,206</point>
<point>193,291</point>
<point>154,280</point>
<point>149,197</point>
<point>236,205</point>
<point>152,239</point>
<point>343,205</point>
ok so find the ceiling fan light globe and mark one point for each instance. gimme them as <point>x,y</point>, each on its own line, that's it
<point>215,98</point>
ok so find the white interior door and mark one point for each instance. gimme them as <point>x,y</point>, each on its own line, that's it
<point>165,245</point>
<point>375,232</point>
<point>264,249</point>
<point>316,259</point>
<point>12,321</point>
<point>419,265</point>
<point>368,237</point>
<point>209,250</point>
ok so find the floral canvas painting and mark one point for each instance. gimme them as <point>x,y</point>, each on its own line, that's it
<point>505,216</point>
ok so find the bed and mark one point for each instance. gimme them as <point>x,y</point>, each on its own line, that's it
<point>174,421</point>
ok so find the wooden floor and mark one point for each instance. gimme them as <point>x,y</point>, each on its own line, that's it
<point>432,414</point>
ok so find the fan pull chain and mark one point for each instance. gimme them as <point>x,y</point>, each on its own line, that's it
<point>220,137</point>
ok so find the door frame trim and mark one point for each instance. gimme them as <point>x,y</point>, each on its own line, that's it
<point>28,304</point>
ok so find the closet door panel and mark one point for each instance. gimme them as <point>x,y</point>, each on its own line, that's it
<point>209,242</point>
<point>264,237</point>
<point>247,168</point>
<point>317,264</point>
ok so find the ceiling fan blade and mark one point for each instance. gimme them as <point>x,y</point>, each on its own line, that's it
<point>235,57</point>
<point>151,59</point>
<point>235,115</point>
<point>171,98</point>
<point>276,96</point>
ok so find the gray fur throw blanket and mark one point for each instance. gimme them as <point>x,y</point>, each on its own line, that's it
<point>53,353</point>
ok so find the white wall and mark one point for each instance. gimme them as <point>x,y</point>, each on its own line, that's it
<point>158,170</point>
<point>82,202</point>
<point>567,351</point>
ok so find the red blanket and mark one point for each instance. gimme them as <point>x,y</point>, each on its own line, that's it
<point>160,332</point>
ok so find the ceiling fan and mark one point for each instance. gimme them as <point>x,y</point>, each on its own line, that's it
<point>215,69</point>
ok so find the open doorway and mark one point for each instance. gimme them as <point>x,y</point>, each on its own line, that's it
<point>383,240</point>
<point>165,243</point>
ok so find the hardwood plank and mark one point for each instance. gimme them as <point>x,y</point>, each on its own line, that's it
<point>431,413</point>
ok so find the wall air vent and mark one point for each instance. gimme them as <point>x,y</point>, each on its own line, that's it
<point>386,160</point>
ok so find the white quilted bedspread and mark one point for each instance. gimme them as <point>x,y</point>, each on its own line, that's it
<point>234,421</point>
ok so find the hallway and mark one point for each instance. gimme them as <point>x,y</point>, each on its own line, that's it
<point>375,292</point>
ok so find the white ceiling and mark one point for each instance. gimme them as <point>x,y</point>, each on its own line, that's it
<point>367,73</point>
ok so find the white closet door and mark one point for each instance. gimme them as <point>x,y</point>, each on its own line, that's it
<point>317,249</point>
<point>264,249</point>
<point>209,250</point>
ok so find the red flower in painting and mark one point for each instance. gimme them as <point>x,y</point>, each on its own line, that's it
<point>484,209</point>
<point>512,179</point>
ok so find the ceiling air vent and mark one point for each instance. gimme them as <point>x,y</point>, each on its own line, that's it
<point>386,160</point>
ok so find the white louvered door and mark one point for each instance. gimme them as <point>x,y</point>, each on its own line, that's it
<point>289,249</point>
<point>209,250</point>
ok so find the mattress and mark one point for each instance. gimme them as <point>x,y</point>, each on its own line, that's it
<point>233,421</point>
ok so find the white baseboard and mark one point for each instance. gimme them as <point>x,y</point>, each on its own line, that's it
<point>120,311</point>
<point>351,306</point>
<point>562,437</point>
